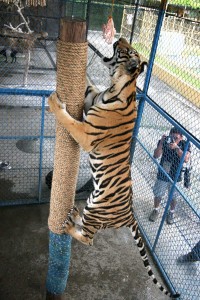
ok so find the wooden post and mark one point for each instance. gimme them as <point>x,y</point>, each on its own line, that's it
<point>72,30</point>
<point>71,75</point>
<point>71,78</point>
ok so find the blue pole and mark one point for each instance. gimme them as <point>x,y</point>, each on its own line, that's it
<point>182,194</point>
<point>134,20</point>
<point>137,126</point>
<point>171,194</point>
<point>148,76</point>
<point>155,45</point>
<point>7,91</point>
<point>41,148</point>
<point>59,261</point>
<point>161,268</point>
<point>192,138</point>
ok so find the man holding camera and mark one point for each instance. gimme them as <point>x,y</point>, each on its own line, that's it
<point>170,148</point>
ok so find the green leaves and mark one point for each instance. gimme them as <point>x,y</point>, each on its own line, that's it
<point>189,3</point>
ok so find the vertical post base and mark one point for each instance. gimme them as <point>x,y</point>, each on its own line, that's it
<point>50,296</point>
<point>59,261</point>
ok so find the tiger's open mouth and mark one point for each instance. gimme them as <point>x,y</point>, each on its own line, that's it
<point>122,46</point>
<point>124,54</point>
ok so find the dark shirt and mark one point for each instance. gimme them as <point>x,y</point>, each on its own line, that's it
<point>170,161</point>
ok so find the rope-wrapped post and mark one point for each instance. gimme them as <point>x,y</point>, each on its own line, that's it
<point>71,76</point>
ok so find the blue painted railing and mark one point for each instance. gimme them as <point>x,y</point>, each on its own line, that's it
<point>43,94</point>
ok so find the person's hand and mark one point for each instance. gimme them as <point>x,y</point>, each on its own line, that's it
<point>158,151</point>
<point>163,138</point>
<point>173,146</point>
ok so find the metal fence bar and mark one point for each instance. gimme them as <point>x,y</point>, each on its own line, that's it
<point>24,137</point>
<point>134,20</point>
<point>137,125</point>
<point>10,91</point>
<point>42,137</point>
<point>21,202</point>
<point>96,51</point>
<point>154,45</point>
<point>185,197</point>
<point>41,150</point>
<point>148,74</point>
<point>188,135</point>
<point>170,195</point>
<point>167,280</point>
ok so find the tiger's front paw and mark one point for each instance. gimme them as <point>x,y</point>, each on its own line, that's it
<point>68,224</point>
<point>74,215</point>
<point>55,104</point>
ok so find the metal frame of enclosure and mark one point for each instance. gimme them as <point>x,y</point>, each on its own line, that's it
<point>167,95</point>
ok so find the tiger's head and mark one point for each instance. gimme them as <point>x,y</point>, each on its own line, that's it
<point>125,60</point>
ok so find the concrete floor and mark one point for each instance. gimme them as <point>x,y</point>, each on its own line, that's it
<point>110,270</point>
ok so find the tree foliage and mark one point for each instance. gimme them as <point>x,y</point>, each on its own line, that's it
<point>189,3</point>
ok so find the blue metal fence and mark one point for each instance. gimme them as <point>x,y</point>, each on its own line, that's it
<point>166,242</point>
<point>27,141</point>
<point>27,137</point>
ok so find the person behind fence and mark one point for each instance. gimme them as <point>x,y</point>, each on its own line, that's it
<point>192,256</point>
<point>170,149</point>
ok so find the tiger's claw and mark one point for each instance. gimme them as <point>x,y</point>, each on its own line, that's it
<point>68,223</point>
<point>54,103</point>
<point>74,211</point>
<point>74,215</point>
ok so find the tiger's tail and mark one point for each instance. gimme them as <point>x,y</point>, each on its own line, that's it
<point>140,244</point>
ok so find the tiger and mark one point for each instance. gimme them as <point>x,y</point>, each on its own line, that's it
<point>106,134</point>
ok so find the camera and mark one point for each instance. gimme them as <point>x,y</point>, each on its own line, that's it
<point>169,139</point>
<point>187,179</point>
<point>186,169</point>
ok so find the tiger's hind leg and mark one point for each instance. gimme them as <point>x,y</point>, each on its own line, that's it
<point>76,231</point>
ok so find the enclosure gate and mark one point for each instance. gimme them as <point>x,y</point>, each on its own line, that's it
<point>168,95</point>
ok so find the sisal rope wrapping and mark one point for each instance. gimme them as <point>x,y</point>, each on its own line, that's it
<point>71,75</point>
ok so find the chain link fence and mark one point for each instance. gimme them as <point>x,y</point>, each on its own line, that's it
<point>167,241</point>
<point>27,142</point>
<point>168,96</point>
<point>175,78</point>
<point>171,98</point>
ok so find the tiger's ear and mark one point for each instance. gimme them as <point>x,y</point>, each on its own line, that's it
<point>144,63</point>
